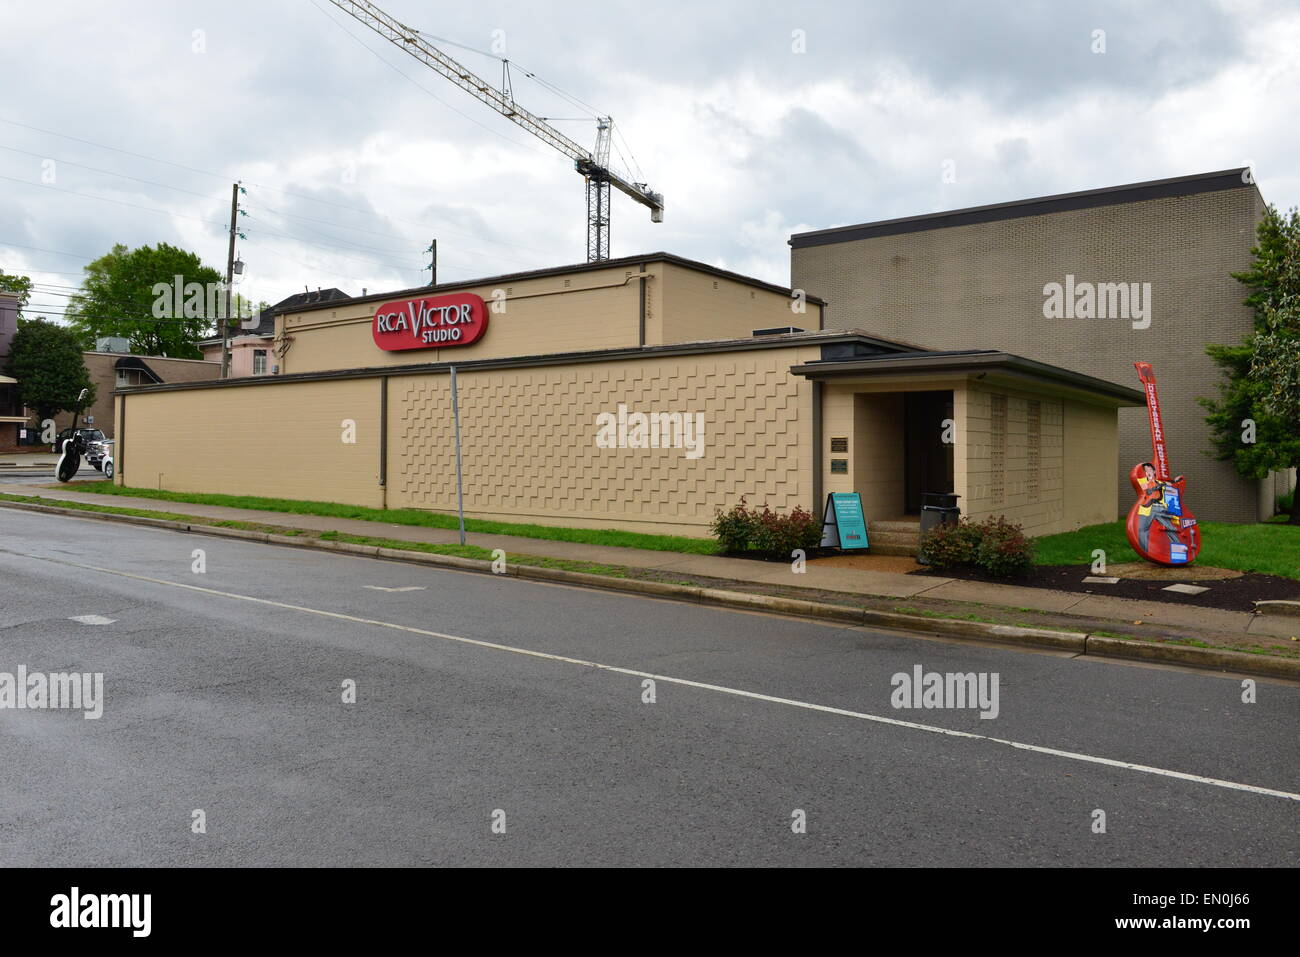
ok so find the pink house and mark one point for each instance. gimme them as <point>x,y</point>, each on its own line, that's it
<point>252,351</point>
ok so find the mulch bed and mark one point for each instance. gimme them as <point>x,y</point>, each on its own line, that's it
<point>1230,594</point>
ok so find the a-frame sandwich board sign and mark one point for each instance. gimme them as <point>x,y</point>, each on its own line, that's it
<point>843,524</point>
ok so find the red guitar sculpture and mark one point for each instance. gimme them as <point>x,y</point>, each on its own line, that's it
<point>1160,527</point>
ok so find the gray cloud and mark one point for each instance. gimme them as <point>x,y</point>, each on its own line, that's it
<point>744,136</point>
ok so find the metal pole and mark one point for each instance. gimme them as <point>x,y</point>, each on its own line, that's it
<point>433,263</point>
<point>230,270</point>
<point>460,491</point>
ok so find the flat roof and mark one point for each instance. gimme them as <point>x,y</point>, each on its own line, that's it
<point>543,273</point>
<point>210,362</point>
<point>973,361</point>
<point>702,347</point>
<point>1037,206</point>
<point>899,358</point>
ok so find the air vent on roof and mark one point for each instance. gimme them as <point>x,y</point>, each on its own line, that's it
<point>778,331</point>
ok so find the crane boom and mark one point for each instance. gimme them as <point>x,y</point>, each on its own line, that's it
<point>593,166</point>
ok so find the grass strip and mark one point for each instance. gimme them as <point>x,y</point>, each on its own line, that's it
<point>418,518</point>
<point>1265,548</point>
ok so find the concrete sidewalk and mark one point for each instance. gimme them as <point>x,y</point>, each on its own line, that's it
<point>824,574</point>
<point>27,461</point>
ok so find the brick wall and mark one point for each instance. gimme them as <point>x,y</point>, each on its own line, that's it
<point>530,454</point>
<point>529,441</point>
<point>1011,468</point>
<point>981,286</point>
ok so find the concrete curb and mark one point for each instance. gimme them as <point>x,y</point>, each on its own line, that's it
<point>1278,607</point>
<point>1078,642</point>
<point>1211,658</point>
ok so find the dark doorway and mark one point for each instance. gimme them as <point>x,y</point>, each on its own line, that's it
<point>927,458</point>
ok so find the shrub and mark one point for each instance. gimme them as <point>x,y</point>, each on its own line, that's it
<point>772,535</point>
<point>777,536</point>
<point>734,529</point>
<point>1003,549</point>
<point>1285,503</point>
<point>949,546</point>
<point>995,546</point>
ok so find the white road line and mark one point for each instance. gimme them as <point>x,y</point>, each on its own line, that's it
<point>720,689</point>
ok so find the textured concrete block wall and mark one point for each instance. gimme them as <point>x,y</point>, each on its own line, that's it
<point>530,453</point>
<point>1015,462</point>
<point>980,286</point>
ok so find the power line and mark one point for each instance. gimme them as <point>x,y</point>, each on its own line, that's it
<point>424,227</point>
<point>106,172</point>
<point>54,252</point>
<point>47,310</point>
<point>207,196</point>
<point>116,202</point>
<point>166,212</point>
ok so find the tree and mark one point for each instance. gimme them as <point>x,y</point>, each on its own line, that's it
<point>121,296</point>
<point>1255,421</point>
<point>19,284</point>
<point>46,360</point>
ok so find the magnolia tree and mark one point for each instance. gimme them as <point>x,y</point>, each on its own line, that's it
<point>1256,418</point>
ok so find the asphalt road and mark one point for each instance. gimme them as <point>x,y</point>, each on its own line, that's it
<point>479,694</point>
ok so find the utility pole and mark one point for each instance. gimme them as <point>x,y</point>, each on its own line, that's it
<point>230,277</point>
<point>433,262</point>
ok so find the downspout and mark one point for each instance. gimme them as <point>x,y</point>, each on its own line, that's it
<point>383,442</point>
<point>816,449</point>
<point>641,334</point>
<point>119,435</point>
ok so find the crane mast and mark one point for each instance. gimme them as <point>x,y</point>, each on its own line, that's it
<point>593,165</point>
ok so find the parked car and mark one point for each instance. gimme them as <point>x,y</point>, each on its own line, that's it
<point>98,452</point>
<point>92,439</point>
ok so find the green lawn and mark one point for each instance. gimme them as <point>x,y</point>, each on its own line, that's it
<point>411,516</point>
<point>1270,549</point>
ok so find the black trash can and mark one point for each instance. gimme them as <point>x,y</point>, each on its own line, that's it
<point>938,508</point>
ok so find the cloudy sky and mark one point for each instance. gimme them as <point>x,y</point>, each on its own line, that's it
<point>128,122</point>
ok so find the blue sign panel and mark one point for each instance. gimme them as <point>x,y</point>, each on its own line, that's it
<point>843,524</point>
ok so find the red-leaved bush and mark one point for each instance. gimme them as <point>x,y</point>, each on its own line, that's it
<point>767,533</point>
<point>995,546</point>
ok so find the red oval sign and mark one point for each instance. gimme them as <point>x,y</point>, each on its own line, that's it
<point>429,323</point>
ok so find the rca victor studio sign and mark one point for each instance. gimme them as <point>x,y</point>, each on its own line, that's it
<point>430,322</point>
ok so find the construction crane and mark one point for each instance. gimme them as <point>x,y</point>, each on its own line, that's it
<point>593,165</point>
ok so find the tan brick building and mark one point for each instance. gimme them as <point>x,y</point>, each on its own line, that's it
<point>361,411</point>
<point>110,370</point>
<point>975,279</point>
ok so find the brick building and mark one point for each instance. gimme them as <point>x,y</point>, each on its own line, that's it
<point>982,278</point>
<point>112,370</point>
<point>554,365</point>
<point>12,419</point>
